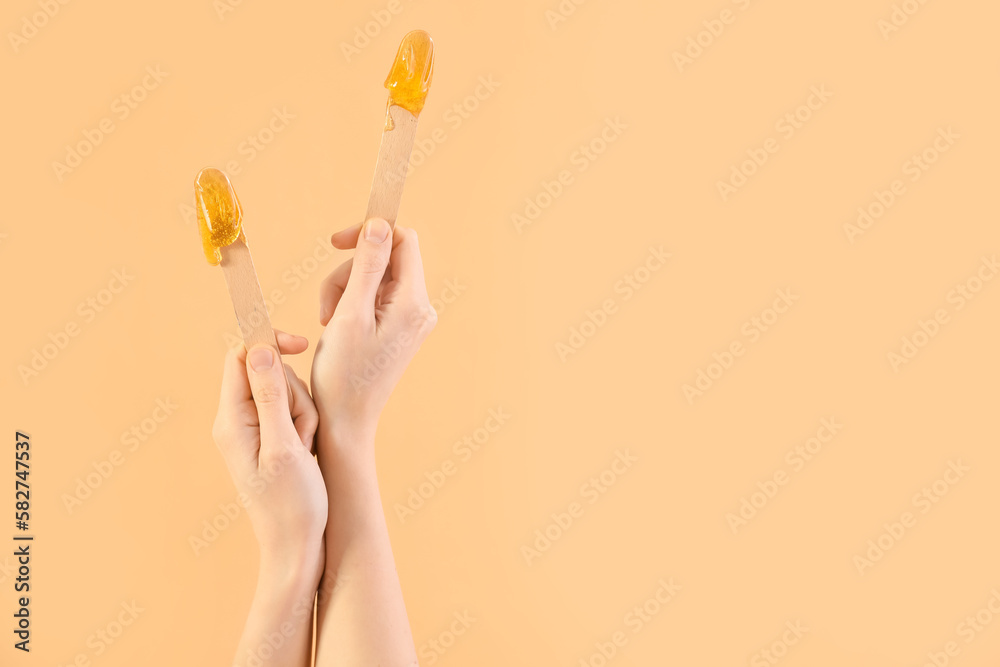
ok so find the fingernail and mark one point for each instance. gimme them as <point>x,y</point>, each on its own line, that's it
<point>376,230</point>
<point>260,358</point>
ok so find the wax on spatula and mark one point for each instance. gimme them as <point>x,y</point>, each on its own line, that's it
<point>408,83</point>
<point>220,221</point>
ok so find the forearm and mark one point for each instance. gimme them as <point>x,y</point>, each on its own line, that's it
<point>278,631</point>
<point>362,616</point>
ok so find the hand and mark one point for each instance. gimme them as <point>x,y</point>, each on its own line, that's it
<point>375,321</point>
<point>269,454</point>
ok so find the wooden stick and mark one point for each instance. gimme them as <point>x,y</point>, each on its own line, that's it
<point>392,165</point>
<point>248,300</point>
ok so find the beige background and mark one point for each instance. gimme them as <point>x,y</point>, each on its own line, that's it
<point>520,294</point>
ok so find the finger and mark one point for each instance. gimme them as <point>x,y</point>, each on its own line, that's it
<point>304,415</point>
<point>270,394</point>
<point>370,260</point>
<point>406,265</point>
<point>346,239</point>
<point>289,343</point>
<point>331,289</point>
<point>235,386</point>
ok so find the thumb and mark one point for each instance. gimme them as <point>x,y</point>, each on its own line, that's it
<point>370,261</point>
<point>270,394</point>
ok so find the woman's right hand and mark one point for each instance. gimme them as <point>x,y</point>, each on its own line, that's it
<point>375,322</point>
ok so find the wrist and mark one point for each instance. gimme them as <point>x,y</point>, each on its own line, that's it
<point>350,437</point>
<point>291,573</point>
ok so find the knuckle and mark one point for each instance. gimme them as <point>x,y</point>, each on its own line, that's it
<point>369,264</point>
<point>275,457</point>
<point>269,464</point>
<point>408,235</point>
<point>423,317</point>
<point>352,320</point>
<point>267,394</point>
